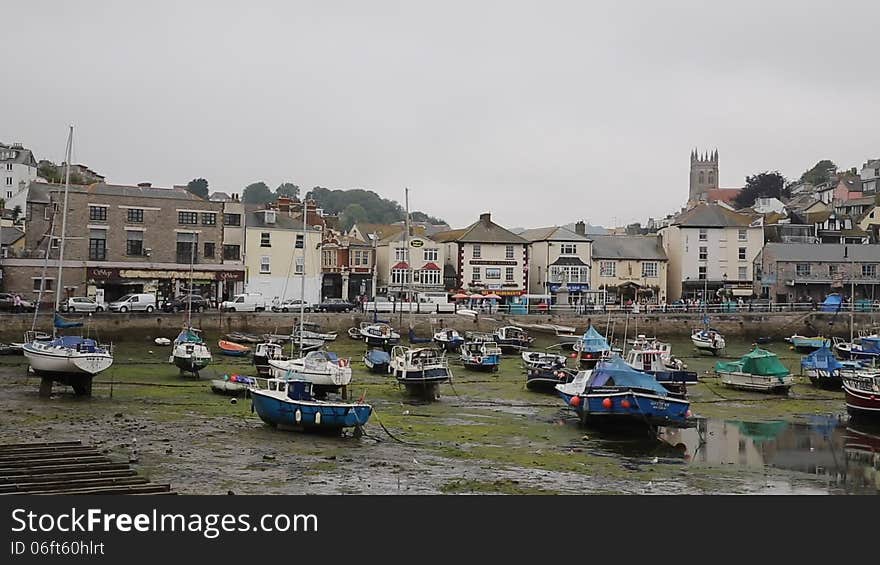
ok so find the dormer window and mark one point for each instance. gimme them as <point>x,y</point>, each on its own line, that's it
<point>269,216</point>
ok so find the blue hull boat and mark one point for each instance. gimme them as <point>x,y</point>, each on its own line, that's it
<point>290,404</point>
<point>377,361</point>
<point>808,344</point>
<point>616,394</point>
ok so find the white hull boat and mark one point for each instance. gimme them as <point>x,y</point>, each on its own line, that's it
<point>67,355</point>
<point>320,368</point>
<point>710,341</point>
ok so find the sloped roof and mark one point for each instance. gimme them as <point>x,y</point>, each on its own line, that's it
<point>22,156</point>
<point>9,235</point>
<point>727,195</point>
<point>628,247</point>
<point>43,189</point>
<point>256,219</point>
<point>451,235</point>
<point>220,197</point>
<point>383,230</point>
<point>483,230</point>
<point>554,233</point>
<point>711,216</point>
<point>818,217</point>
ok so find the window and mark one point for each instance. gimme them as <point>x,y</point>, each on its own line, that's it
<point>400,276</point>
<point>300,266</point>
<point>187,248</point>
<point>704,253</point>
<point>568,249</point>
<point>361,258</point>
<point>430,255</point>
<point>97,245</point>
<point>8,181</point>
<point>477,251</point>
<point>8,166</point>
<point>135,216</point>
<point>742,235</point>
<point>209,249</point>
<point>232,252</point>
<point>98,213</point>
<point>703,234</point>
<point>508,274</point>
<point>833,270</point>
<point>209,219</point>
<point>431,276</point>
<point>803,269</point>
<point>48,284</point>
<point>476,274</point>
<point>649,270</point>
<point>607,269</point>
<point>231,219</point>
<point>508,252</point>
<point>188,218</point>
<point>56,242</point>
<point>743,274</point>
<point>9,195</point>
<point>299,242</point>
<point>742,253</point>
<point>134,243</point>
<point>400,254</point>
<point>702,273</point>
<point>869,271</point>
<point>264,264</point>
<point>265,239</point>
<point>493,273</point>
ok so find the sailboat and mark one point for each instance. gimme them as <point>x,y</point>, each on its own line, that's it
<point>70,360</point>
<point>190,353</point>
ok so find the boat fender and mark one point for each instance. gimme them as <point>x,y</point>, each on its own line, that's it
<point>479,359</point>
<point>298,416</point>
<point>343,363</point>
<point>317,417</point>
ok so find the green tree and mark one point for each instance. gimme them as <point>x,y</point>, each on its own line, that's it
<point>16,212</point>
<point>820,172</point>
<point>353,214</point>
<point>257,193</point>
<point>287,189</point>
<point>199,187</point>
<point>766,184</point>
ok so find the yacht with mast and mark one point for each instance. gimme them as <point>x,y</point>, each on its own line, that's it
<point>190,353</point>
<point>70,360</point>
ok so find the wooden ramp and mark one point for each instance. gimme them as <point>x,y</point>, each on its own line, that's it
<point>67,467</point>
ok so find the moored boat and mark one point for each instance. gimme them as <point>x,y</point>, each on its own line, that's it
<point>533,359</point>
<point>545,378</point>
<point>824,369</point>
<point>650,361</point>
<point>758,370</point>
<point>512,339</point>
<point>233,385</point>
<point>480,355</point>
<point>377,360</point>
<point>449,339</point>
<point>233,349</point>
<point>190,353</point>
<point>591,348</point>
<point>616,394</point>
<point>265,351</point>
<point>292,404</point>
<point>708,339</point>
<point>867,347</point>
<point>421,370</point>
<point>239,337</point>
<point>807,344</point>
<point>326,370</point>
<point>862,393</point>
<point>378,334</point>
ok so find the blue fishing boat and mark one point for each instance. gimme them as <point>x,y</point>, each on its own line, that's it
<point>825,370</point>
<point>591,348</point>
<point>480,355</point>
<point>807,344</point>
<point>867,347</point>
<point>377,360</point>
<point>614,393</point>
<point>449,339</point>
<point>290,404</point>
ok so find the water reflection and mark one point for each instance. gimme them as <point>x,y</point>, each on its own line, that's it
<point>845,457</point>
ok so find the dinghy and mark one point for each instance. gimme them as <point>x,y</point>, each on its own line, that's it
<point>233,349</point>
<point>233,385</point>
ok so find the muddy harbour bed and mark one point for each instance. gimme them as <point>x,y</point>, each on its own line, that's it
<point>486,434</point>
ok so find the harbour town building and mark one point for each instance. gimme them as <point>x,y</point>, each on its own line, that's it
<point>629,268</point>
<point>560,263</point>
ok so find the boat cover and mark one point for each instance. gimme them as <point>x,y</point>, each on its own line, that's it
<point>61,323</point>
<point>188,336</point>
<point>593,341</point>
<point>616,372</point>
<point>756,362</point>
<point>377,356</point>
<point>871,345</point>
<point>822,358</point>
<point>832,303</point>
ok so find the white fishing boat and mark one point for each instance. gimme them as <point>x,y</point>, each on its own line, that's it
<point>535,359</point>
<point>512,338</point>
<point>707,339</point>
<point>449,339</point>
<point>324,369</point>
<point>421,369</point>
<point>378,334</point>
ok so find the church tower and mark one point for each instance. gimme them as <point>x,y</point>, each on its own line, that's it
<point>704,174</point>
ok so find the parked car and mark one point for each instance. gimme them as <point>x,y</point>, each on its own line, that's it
<point>247,302</point>
<point>335,305</point>
<point>292,305</point>
<point>181,303</point>
<point>140,302</point>
<point>81,304</point>
<point>7,302</point>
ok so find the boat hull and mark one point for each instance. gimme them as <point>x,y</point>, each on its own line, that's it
<point>320,378</point>
<point>544,380</point>
<point>627,408</point>
<point>760,383</point>
<point>47,360</point>
<point>230,389</point>
<point>309,415</point>
<point>482,363</point>
<point>862,399</point>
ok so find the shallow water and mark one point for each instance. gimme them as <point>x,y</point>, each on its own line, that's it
<point>487,433</point>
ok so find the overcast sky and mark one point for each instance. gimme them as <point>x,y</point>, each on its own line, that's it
<point>540,112</point>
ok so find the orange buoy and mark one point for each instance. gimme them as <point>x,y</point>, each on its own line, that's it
<point>607,404</point>
<point>625,403</point>
<point>575,401</point>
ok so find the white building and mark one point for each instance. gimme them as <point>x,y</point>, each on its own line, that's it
<point>560,262</point>
<point>17,169</point>
<point>870,175</point>
<point>710,247</point>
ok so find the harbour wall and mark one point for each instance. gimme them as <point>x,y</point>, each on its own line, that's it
<point>749,325</point>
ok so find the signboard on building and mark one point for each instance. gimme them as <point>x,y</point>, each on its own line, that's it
<point>571,287</point>
<point>417,243</point>
<point>110,274</point>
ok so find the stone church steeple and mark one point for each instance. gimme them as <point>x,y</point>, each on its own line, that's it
<point>704,174</point>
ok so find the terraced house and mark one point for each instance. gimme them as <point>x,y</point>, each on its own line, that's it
<point>629,267</point>
<point>560,263</point>
<point>121,239</point>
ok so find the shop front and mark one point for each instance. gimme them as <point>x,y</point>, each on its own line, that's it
<point>112,283</point>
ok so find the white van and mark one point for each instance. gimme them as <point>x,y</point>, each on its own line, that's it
<point>247,302</point>
<point>134,303</point>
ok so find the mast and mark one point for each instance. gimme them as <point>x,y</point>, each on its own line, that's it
<point>59,287</point>
<point>408,257</point>
<point>192,260</point>
<point>852,295</point>
<point>302,289</point>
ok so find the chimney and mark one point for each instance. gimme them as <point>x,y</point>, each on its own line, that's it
<point>284,204</point>
<point>145,184</point>
<point>580,228</point>
<point>486,218</point>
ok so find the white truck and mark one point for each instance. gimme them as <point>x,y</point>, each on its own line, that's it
<point>246,302</point>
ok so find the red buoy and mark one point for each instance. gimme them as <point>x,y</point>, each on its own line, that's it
<point>625,403</point>
<point>575,401</point>
<point>606,404</point>
<point>573,355</point>
<point>688,414</point>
